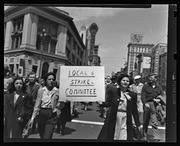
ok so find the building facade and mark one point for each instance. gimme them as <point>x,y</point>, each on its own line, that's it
<point>163,70</point>
<point>143,66</point>
<point>41,39</point>
<point>88,35</point>
<point>134,49</point>
<point>157,50</point>
<point>159,63</point>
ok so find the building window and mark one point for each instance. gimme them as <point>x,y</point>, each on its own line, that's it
<point>73,58</point>
<point>45,46</point>
<point>34,68</point>
<point>74,45</point>
<point>95,51</point>
<point>55,71</point>
<point>16,40</point>
<point>38,43</point>
<point>53,46</point>
<point>51,38</point>
<point>68,38</point>
<point>78,51</point>
<point>17,32</point>
<point>18,24</point>
<point>68,53</point>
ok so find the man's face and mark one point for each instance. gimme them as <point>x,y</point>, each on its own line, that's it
<point>50,81</point>
<point>108,80</point>
<point>152,79</point>
<point>32,78</point>
<point>137,81</point>
<point>18,84</point>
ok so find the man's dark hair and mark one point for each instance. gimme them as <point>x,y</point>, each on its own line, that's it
<point>31,73</point>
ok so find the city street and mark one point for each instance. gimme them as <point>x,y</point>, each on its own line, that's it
<point>87,127</point>
<point>81,50</point>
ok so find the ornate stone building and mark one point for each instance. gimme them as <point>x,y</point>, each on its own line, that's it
<point>88,35</point>
<point>41,39</point>
<point>136,47</point>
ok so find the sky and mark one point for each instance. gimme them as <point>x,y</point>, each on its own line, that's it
<point>116,26</point>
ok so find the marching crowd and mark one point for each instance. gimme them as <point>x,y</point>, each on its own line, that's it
<point>32,104</point>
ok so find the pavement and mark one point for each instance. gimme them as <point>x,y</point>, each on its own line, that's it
<point>87,126</point>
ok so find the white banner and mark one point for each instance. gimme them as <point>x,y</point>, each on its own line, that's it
<point>82,83</point>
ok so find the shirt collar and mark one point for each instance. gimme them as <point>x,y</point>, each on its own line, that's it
<point>54,88</point>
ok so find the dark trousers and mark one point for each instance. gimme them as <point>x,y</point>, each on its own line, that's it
<point>46,123</point>
<point>150,116</point>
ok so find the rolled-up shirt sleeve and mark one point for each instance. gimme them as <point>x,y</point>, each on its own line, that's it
<point>37,103</point>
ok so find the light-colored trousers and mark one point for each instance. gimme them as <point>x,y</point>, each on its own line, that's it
<point>121,127</point>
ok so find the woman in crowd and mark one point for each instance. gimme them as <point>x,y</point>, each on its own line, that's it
<point>122,103</point>
<point>48,106</point>
<point>18,107</point>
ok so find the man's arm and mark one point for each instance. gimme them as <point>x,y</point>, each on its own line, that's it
<point>143,94</point>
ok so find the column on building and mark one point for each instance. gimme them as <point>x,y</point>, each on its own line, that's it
<point>27,26</point>
<point>8,40</point>
<point>51,66</point>
<point>34,29</point>
<point>16,64</point>
<point>61,40</point>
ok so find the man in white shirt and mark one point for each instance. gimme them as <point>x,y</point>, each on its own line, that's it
<point>137,88</point>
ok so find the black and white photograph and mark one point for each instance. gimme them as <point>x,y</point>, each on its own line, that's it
<point>90,73</point>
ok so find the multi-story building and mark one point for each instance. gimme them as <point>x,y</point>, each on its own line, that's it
<point>134,49</point>
<point>143,65</point>
<point>157,50</point>
<point>41,39</point>
<point>163,70</point>
<point>88,35</point>
<point>95,59</point>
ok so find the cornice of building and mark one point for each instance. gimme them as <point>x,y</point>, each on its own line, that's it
<point>139,44</point>
<point>159,44</point>
<point>28,50</point>
<point>55,11</point>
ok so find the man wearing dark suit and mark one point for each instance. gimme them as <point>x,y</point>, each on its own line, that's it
<point>32,89</point>
<point>149,94</point>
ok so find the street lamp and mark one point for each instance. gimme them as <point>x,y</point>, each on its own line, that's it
<point>43,35</point>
